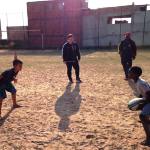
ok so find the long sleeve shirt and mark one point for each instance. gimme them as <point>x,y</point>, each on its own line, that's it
<point>71,52</point>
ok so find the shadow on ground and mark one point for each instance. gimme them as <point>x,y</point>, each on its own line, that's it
<point>67,105</point>
<point>2,121</point>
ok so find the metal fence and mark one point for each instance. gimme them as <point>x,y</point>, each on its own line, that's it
<point>92,30</point>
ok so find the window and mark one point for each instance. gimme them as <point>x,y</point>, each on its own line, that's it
<point>118,20</point>
<point>121,20</point>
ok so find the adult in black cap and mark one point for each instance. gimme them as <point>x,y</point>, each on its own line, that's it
<point>127,51</point>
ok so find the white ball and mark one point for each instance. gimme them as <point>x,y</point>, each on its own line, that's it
<point>135,103</point>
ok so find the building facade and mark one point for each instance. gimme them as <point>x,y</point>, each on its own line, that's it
<point>53,20</point>
<point>100,27</point>
<point>50,21</point>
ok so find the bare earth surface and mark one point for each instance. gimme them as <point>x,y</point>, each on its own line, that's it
<point>57,116</point>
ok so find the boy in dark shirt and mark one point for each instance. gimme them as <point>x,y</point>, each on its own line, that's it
<point>5,83</point>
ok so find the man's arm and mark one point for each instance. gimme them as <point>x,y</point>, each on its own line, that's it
<point>120,48</point>
<point>78,52</point>
<point>134,49</point>
<point>64,53</point>
<point>15,80</point>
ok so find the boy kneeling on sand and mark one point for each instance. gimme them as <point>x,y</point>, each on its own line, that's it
<point>6,79</point>
<point>141,89</point>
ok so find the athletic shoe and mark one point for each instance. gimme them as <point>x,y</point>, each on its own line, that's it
<point>78,81</point>
<point>70,81</point>
<point>16,106</point>
<point>145,143</point>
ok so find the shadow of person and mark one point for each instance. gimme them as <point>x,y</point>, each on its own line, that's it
<point>67,105</point>
<point>2,121</point>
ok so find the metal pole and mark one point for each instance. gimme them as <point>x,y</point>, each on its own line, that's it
<point>132,19</point>
<point>7,19</point>
<point>0,30</point>
<point>143,39</point>
<point>23,26</point>
<point>42,40</point>
<point>6,25</point>
<point>120,24</point>
<point>98,28</point>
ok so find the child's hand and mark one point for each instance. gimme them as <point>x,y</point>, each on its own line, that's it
<point>15,81</point>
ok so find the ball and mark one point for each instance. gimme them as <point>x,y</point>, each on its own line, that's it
<point>136,104</point>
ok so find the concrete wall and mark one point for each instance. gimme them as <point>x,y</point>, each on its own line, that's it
<point>17,33</point>
<point>0,31</point>
<point>90,31</point>
<point>98,32</point>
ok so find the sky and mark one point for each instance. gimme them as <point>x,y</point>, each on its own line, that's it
<point>110,3</point>
<point>14,12</point>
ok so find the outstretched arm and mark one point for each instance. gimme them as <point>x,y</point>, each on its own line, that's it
<point>15,80</point>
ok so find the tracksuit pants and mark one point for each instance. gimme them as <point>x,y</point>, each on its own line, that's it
<point>127,64</point>
<point>76,67</point>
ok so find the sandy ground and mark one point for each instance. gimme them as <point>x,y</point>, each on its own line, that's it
<point>57,116</point>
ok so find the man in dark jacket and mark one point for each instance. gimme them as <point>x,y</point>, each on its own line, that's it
<point>127,51</point>
<point>71,57</point>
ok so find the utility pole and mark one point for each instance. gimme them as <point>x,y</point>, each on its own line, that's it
<point>132,18</point>
<point>121,25</point>
<point>143,39</point>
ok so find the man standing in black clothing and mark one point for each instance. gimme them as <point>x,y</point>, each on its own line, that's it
<point>71,57</point>
<point>127,51</point>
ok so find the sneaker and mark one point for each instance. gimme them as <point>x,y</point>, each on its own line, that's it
<point>79,81</point>
<point>145,143</point>
<point>70,81</point>
<point>16,106</point>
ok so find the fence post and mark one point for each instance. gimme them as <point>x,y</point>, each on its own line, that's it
<point>42,40</point>
<point>143,39</point>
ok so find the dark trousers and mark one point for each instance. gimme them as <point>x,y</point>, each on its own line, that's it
<point>76,67</point>
<point>127,64</point>
<point>146,125</point>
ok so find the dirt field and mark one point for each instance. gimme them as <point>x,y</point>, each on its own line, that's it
<point>55,116</point>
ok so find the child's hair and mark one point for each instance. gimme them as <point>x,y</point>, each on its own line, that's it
<point>16,62</point>
<point>136,70</point>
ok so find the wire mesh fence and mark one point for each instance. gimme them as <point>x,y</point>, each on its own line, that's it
<point>96,29</point>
